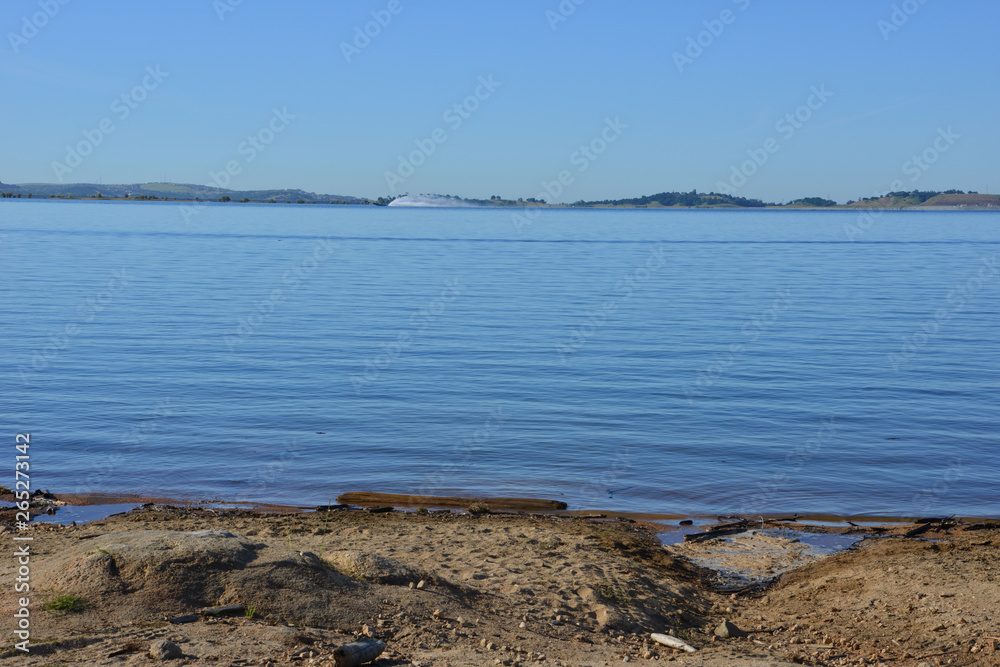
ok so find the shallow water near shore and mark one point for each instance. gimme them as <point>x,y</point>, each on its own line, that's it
<point>667,362</point>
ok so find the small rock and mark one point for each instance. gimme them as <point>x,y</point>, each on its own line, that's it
<point>727,630</point>
<point>522,625</point>
<point>165,650</point>
<point>412,585</point>
<point>421,584</point>
<point>436,613</point>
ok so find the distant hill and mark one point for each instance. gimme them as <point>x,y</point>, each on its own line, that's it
<point>687,199</point>
<point>916,198</point>
<point>812,201</point>
<point>180,191</point>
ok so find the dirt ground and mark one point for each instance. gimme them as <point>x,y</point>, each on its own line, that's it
<point>453,588</point>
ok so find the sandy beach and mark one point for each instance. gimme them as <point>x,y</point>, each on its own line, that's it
<point>456,588</point>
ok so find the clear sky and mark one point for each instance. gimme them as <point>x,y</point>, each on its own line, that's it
<point>628,80</point>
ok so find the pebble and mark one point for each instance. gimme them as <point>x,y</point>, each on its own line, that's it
<point>421,584</point>
<point>165,649</point>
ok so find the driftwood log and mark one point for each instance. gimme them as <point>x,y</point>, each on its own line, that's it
<point>225,609</point>
<point>358,653</point>
<point>367,498</point>
<point>718,530</point>
<point>672,642</point>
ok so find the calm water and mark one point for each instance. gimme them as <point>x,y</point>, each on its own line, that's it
<point>659,361</point>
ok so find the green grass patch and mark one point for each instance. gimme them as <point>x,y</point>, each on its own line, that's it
<point>66,603</point>
<point>615,594</point>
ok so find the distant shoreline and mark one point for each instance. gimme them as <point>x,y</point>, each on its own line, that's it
<point>519,205</point>
<point>947,200</point>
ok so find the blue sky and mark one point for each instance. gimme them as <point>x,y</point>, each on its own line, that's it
<point>895,77</point>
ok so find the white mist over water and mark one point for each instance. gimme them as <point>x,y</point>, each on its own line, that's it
<point>430,200</point>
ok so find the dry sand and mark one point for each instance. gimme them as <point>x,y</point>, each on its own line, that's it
<point>498,589</point>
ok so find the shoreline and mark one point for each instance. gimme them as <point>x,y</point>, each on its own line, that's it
<point>460,502</point>
<point>465,589</point>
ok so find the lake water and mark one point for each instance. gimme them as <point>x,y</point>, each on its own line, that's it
<point>669,362</point>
